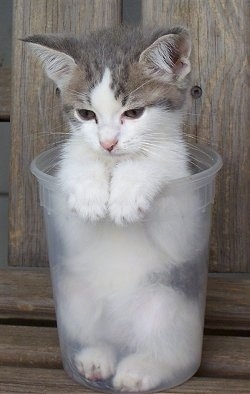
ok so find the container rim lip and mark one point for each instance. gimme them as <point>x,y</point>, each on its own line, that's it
<point>191,179</point>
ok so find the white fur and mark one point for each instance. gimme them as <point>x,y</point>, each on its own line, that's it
<point>149,148</point>
<point>127,225</point>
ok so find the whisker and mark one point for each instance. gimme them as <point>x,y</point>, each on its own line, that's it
<point>196,137</point>
<point>196,165</point>
<point>133,91</point>
<point>191,113</point>
<point>49,109</point>
<point>80,95</point>
<point>59,126</point>
<point>44,134</point>
<point>197,149</point>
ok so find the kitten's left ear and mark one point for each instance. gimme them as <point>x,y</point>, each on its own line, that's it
<point>58,65</point>
<point>168,57</point>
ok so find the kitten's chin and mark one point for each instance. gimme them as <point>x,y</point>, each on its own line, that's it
<point>115,153</point>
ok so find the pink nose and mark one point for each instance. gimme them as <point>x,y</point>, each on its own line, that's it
<point>109,144</point>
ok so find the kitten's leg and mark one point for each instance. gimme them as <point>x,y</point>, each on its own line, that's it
<point>86,187</point>
<point>80,319</point>
<point>96,362</point>
<point>133,187</point>
<point>166,338</point>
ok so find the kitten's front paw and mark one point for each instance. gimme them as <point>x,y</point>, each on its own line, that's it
<point>135,373</point>
<point>96,363</point>
<point>90,203</point>
<point>127,207</point>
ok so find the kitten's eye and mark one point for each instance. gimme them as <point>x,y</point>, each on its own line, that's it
<point>134,113</point>
<point>86,114</point>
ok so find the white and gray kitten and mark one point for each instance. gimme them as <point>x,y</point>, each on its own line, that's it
<point>121,301</point>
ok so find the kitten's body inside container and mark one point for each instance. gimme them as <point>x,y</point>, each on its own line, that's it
<point>127,222</point>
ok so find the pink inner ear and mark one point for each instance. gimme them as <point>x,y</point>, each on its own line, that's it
<point>181,66</point>
<point>62,70</point>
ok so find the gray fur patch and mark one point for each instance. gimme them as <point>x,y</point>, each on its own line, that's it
<point>187,278</point>
<point>118,49</point>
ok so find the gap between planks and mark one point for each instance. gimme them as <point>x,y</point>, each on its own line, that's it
<point>222,357</point>
<point>26,294</point>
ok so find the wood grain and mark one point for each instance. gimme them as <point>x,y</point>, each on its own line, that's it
<point>220,118</point>
<point>27,294</point>
<point>5,93</point>
<point>51,381</point>
<point>225,357</point>
<point>36,119</point>
<point>38,347</point>
<point>29,347</point>
<point>228,303</point>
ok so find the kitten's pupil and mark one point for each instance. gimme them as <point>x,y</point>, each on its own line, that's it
<point>134,113</point>
<point>86,114</point>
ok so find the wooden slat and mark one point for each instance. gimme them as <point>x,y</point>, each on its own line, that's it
<point>38,347</point>
<point>226,357</point>
<point>27,294</point>
<point>220,117</point>
<point>5,93</point>
<point>48,381</point>
<point>29,347</point>
<point>228,303</point>
<point>36,114</point>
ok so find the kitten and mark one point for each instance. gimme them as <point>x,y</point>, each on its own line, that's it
<point>126,319</point>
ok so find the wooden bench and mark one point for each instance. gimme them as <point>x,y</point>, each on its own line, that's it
<point>29,350</point>
<point>30,359</point>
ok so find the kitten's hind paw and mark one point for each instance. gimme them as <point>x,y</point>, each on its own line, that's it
<point>96,363</point>
<point>135,373</point>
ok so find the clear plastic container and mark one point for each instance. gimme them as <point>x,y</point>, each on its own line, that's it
<point>130,300</point>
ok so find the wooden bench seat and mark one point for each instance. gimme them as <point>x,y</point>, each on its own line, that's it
<point>30,359</point>
<point>38,347</point>
<point>51,381</point>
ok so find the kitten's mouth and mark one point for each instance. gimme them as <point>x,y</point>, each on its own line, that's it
<point>114,152</point>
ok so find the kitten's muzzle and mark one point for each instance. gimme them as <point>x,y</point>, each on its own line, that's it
<point>109,144</point>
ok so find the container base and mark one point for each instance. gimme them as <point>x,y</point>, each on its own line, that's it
<point>106,386</point>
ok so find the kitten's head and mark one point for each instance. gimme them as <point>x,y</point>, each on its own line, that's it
<point>122,89</point>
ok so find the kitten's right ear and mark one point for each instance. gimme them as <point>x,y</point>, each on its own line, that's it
<point>168,57</point>
<point>58,65</point>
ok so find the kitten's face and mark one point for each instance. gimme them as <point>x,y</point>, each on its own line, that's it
<point>122,89</point>
<point>114,126</point>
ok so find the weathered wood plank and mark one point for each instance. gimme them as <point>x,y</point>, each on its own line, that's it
<point>27,294</point>
<point>228,303</point>
<point>5,93</point>
<point>220,117</point>
<point>51,381</point>
<point>38,347</point>
<point>29,347</point>
<point>36,119</point>
<point>225,357</point>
